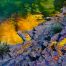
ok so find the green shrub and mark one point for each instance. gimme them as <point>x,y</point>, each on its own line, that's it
<point>64,3</point>
<point>56,28</point>
<point>4,49</point>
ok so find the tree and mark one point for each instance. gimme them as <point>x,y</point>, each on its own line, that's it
<point>58,4</point>
<point>23,7</point>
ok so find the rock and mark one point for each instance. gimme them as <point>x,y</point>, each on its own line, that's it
<point>55,37</point>
<point>48,18</point>
<point>64,21</point>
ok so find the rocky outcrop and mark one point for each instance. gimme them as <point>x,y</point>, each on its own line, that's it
<point>37,52</point>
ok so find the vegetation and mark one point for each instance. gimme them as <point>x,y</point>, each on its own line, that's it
<point>8,33</point>
<point>58,4</point>
<point>23,7</point>
<point>15,12</point>
<point>4,50</point>
<point>57,28</point>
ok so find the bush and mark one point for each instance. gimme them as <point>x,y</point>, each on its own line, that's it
<point>64,3</point>
<point>4,49</point>
<point>56,28</point>
<point>58,4</point>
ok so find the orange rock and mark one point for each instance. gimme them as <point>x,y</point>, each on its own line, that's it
<point>55,58</point>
